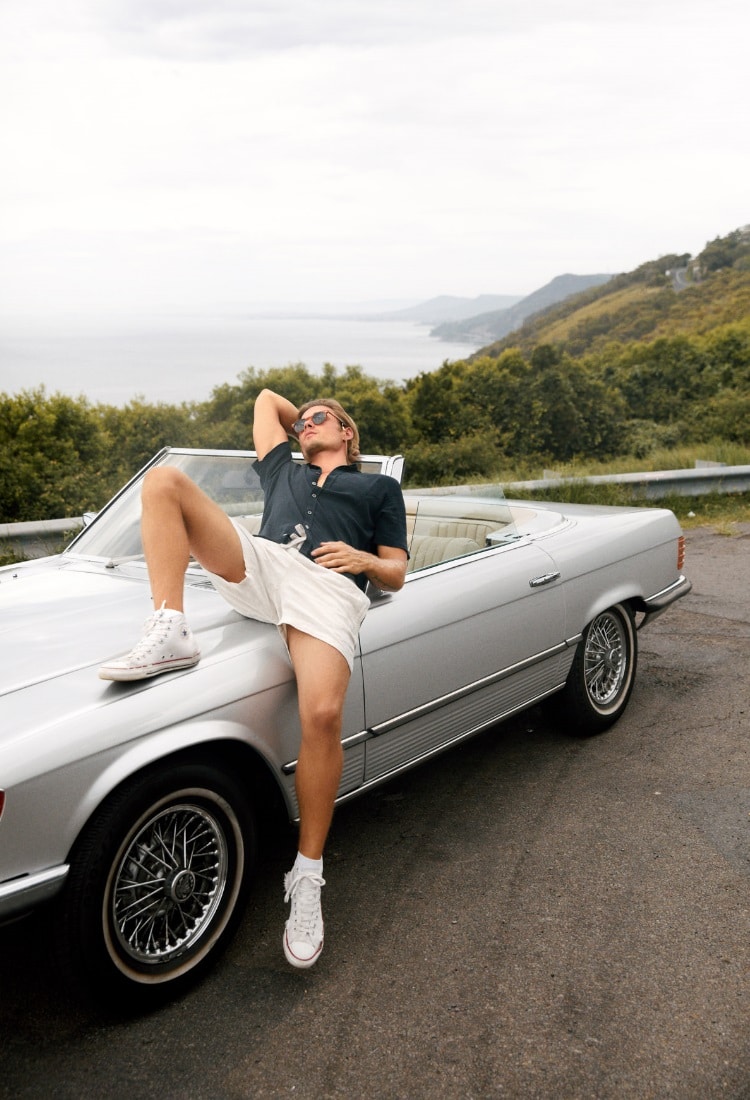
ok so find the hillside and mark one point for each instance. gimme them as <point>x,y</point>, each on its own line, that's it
<point>492,324</point>
<point>674,295</point>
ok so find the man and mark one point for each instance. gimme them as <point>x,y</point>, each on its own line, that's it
<point>323,514</point>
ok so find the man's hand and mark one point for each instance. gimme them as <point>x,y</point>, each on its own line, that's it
<point>386,569</point>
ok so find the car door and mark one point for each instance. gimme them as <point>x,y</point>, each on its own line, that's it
<point>463,643</point>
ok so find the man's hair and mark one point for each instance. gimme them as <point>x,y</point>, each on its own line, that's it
<point>352,446</point>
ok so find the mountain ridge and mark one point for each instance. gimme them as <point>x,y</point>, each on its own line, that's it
<point>492,325</point>
<point>675,294</point>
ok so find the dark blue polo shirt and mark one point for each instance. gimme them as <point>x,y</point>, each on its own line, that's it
<point>363,510</point>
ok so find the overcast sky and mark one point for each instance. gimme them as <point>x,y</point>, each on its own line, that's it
<point>216,154</point>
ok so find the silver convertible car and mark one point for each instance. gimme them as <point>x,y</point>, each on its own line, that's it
<point>131,811</point>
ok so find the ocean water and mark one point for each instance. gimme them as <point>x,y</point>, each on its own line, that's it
<point>183,359</point>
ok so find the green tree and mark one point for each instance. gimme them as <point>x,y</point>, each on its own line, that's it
<point>727,354</point>
<point>139,430</point>
<point>448,463</point>
<point>569,412</point>
<point>725,251</point>
<point>726,415</point>
<point>53,452</point>
<point>438,411</point>
<point>659,379</point>
<point>226,419</point>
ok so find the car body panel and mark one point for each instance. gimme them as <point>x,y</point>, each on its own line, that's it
<point>476,628</point>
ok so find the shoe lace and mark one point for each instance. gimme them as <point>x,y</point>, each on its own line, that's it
<point>303,890</point>
<point>155,632</point>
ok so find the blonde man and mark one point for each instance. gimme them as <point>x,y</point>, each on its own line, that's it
<point>327,530</point>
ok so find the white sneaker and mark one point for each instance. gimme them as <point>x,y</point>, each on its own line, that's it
<point>167,644</point>
<point>303,934</point>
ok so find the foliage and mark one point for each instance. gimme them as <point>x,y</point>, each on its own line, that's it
<point>626,369</point>
<point>548,406</point>
<point>431,463</point>
<point>52,452</point>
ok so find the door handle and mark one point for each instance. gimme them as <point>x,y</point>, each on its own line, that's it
<point>545,578</point>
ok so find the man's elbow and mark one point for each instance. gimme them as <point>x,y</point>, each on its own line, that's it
<point>398,579</point>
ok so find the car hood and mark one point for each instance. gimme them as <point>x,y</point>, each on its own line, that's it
<point>59,620</point>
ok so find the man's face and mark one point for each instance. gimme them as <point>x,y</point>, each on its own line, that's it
<point>326,436</point>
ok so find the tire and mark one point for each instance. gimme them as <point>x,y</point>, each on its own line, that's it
<point>602,675</point>
<point>156,886</point>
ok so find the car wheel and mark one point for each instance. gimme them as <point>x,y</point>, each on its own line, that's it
<point>156,885</point>
<point>602,675</point>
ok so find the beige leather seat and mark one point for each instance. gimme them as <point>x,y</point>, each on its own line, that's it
<point>430,549</point>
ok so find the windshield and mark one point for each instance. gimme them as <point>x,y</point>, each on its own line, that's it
<point>228,477</point>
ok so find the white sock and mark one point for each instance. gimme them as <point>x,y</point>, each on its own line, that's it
<point>302,863</point>
<point>169,612</point>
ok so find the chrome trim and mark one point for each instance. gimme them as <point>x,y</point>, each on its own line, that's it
<point>452,696</point>
<point>347,743</point>
<point>668,595</point>
<point>376,782</point>
<point>468,689</point>
<point>545,578</point>
<point>21,894</point>
<point>656,605</point>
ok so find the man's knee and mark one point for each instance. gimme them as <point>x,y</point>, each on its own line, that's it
<point>323,719</point>
<point>162,482</point>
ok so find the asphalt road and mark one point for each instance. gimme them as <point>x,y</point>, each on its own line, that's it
<point>526,916</point>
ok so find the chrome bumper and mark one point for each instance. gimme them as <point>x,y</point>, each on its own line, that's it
<point>658,603</point>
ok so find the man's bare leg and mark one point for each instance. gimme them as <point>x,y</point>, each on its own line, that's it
<point>177,519</point>
<point>322,679</point>
<point>322,676</point>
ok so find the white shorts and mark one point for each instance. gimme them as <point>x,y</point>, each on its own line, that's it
<point>283,587</point>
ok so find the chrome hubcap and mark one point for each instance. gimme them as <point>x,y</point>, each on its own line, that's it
<point>605,660</point>
<point>169,883</point>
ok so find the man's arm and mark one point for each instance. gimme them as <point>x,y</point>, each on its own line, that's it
<point>386,569</point>
<point>273,417</point>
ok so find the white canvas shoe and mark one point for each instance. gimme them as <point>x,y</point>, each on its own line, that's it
<point>167,644</point>
<point>303,933</point>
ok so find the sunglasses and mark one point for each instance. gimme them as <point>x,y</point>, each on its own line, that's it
<point>299,426</point>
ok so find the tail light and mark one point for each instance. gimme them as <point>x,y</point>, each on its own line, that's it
<point>680,553</point>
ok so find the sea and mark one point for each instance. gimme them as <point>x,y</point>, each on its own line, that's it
<point>175,359</point>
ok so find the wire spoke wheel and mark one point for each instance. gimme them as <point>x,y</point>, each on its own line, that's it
<point>602,674</point>
<point>169,883</point>
<point>157,884</point>
<point>605,659</point>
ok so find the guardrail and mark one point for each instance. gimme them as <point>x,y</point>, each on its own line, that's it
<point>713,478</point>
<point>36,540</point>
<point>655,486</point>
